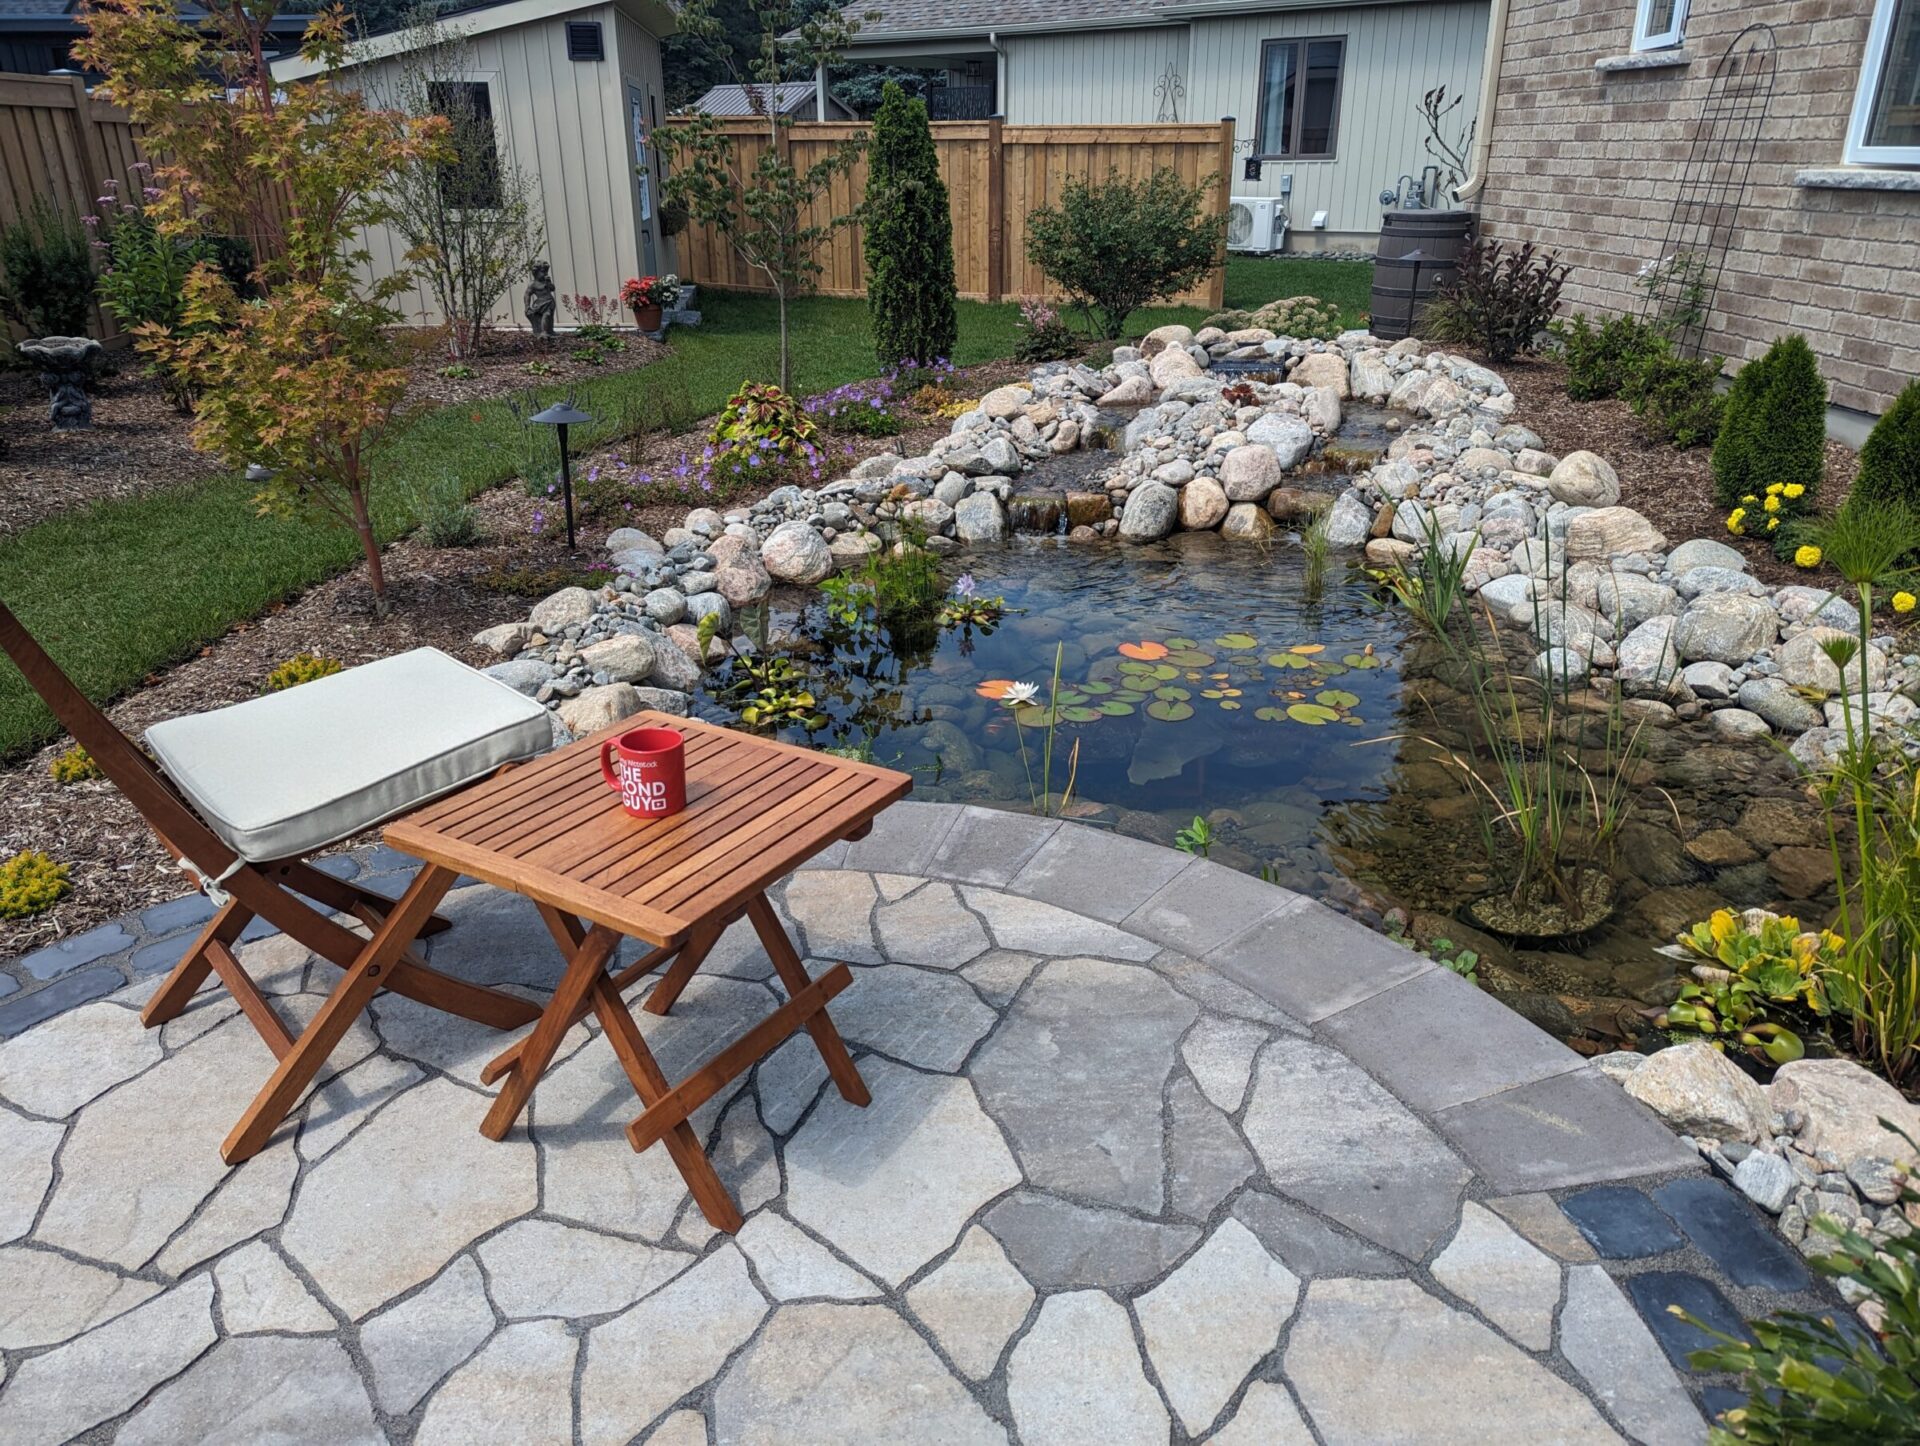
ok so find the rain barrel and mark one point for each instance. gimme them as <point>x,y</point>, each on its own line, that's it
<point>1403,285</point>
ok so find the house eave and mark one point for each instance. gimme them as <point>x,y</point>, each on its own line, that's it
<point>1161,16</point>
<point>655,16</point>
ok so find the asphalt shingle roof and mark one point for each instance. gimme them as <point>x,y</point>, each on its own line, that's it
<point>913,16</point>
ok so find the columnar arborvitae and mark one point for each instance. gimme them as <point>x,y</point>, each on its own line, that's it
<point>1890,461</point>
<point>1775,425</point>
<point>909,237</point>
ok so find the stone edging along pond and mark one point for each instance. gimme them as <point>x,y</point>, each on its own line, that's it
<point>1679,624</point>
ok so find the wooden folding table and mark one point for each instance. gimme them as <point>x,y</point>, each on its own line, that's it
<point>553,831</point>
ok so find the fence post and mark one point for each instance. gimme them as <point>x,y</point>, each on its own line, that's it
<point>996,209</point>
<point>1217,287</point>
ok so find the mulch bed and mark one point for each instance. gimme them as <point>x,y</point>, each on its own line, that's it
<point>437,598</point>
<point>1672,489</point>
<point>139,443</point>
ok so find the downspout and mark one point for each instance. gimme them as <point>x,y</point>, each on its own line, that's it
<point>999,73</point>
<point>1489,92</point>
<point>820,90</point>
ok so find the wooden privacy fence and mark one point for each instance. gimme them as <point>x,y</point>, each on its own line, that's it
<point>59,142</point>
<point>996,176</point>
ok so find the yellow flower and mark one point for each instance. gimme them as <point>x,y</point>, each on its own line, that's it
<point>1903,602</point>
<point>1772,504</point>
<point>1734,518</point>
<point>1775,486</point>
<point>1794,489</point>
<point>1750,498</point>
<point>1722,925</point>
<point>1808,556</point>
<point>1772,522</point>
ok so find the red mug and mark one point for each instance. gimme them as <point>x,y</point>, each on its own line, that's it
<point>647,767</point>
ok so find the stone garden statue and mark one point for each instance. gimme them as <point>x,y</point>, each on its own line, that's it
<point>539,301</point>
<point>66,366</point>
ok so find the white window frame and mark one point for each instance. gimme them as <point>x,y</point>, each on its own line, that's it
<point>1666,39</point>
<point>1872,66</point>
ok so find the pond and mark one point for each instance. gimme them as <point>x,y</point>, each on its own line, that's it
<point>1310,729</point>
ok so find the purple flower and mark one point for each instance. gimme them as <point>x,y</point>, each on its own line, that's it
<point>964,585</point>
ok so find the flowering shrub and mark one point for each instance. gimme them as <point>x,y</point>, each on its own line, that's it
<point>598,311</point>
<point>1043,335</point>
<point>863,408</point>
<point>1764,514</point>
<point>650,291</point>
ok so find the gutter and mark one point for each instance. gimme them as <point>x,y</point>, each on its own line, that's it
<point>1489,92</point>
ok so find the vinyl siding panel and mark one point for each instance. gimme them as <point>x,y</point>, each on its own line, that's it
<point>1394,54</point>
<point>562,123</point>
<point>1093,77</point>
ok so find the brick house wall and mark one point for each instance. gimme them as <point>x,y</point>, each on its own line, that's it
<point>1587,163</point>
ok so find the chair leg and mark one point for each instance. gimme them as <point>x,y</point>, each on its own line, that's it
<point>192,970</point>
<point>361,981</point>
<point>833,1049</point>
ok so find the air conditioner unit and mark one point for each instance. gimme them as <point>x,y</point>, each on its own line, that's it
<point>1256,223</point>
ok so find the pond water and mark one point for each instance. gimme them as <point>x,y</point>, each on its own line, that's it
<point>1309,728</point>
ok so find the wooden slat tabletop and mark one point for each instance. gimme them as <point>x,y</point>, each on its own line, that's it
<point>553,831</point>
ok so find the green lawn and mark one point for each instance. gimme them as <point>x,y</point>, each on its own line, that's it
<point>122,588</point>
<point>1252,280</point>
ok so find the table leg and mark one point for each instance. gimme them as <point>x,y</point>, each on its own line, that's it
<point>651,1085</point>
<point>692,955</point>
<point>786,962</point>
<point>585,969</point>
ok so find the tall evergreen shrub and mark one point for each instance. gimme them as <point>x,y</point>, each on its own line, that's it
<point>1890,461</point>
<point>1775,425</point>
<point>909,237</point>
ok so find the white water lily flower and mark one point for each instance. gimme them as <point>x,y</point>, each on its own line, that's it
<point>1020,694</point>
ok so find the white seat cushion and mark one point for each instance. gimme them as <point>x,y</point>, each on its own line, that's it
<point>280,776</point>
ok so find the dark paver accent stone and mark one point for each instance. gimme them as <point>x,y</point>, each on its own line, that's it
<point>1437,1040</point>
<point>1204,905</point>
<point>904,839</point>
<point>1313,962</point>
<point>1723,1224</point>
<point>61,995</point>
<point>8,985</point>
<point>341,866</point>
<point>1717,1400</point>
<point>57,959</point>
<point>1573,1129</point>
<point>1059,1245</point>
<point>1099,874</point>
<point>1655,1290</point>
<point>1621,1223</point>
<point>180,913</point>
<point>1307,1244</point>
<point>162,954</point>
<point>989,846</point>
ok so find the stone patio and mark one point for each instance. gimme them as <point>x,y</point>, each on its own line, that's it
<point>1157,1152</point>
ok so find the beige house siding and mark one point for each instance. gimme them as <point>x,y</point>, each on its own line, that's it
<point>1394,54</point>
<point>1093,77</point>
<point>1587,163</point>
<point>563,123</point>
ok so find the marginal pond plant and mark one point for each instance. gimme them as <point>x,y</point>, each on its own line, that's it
<point>1756,965</point>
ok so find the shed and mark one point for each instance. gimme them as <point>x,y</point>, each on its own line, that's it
<point>798,99</point>
<point>575,94</point>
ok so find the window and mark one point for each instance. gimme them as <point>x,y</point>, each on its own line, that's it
<point>1885,129</point>
<point>471,180</point>
<point>1659,24</point>
<point>1299,106</point>
<point>583,40</point>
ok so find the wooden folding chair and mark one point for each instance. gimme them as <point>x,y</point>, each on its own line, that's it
<point>247,888</point>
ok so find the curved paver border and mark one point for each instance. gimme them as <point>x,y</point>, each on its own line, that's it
<point>1519,1106</point>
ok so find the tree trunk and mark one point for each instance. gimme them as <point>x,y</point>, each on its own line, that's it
<point>786,371</point>
<point>370,545</point>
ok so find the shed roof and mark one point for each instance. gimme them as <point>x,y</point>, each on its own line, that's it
<point>481,17</point>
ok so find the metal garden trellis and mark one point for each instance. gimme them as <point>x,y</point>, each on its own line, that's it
<point>1682,281</point>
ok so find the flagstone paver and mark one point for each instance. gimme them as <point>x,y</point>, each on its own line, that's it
<point>518,1389</point>
<point>1103,1036</point>
<point>853,1374</point>
<point>973,1302</point>
<point>259,1293</point>
<point>372,1220</point>
<point>1104,1191</point>
<point>413,1344</point>
<point>1210,1322</point>
<point>251,1389</point>
<point>1507,1280</point>
<point>1382,1361</point>
<point>1076,1377</point>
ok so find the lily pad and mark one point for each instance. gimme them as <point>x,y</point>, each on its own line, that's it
<point>1067,697</point>
<point>1147,650</point>
<point>995,688</point>
<point>1312,714</point>
<point>1271,715</point>
<point>1229,704</point>
<point>1081,715</point>
<point>1166,673</point>
<point>1211,693</point>
<point>1190,658</point>
<point>1170,712</point>
<point>1361,660</point>
<point>1287,660</point>
<point>1096,690</point>
<point>1172,695</point>
<point>1130,695</point>
<point>1136,669</point>
<point>1307,650</point>
<point>1114,708</point>
<point>1033,716</point>
<point>1182,643</point>
<point>1337,698</point>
